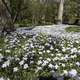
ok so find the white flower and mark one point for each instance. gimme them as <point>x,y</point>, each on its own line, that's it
<point>31,45</point>
<point>8,79</point>
<point>78,63</point>
<point>52,54</point>
<point>52,73</point>
<point>15,55</point>
<point>56,66</point>
<point>0,49</point>
<point>57,49</point>
<point>33,51</point>
<point>63,65</point>
<point>58,54</point>
<point>17,59</point>
<point>24,58</point>
<point>25,66</point>
<point>1,56</point>
<point>54,42</point>
<point>55,58</point>
<point>50,65</point>
<point>27,44</point>
<point>25,48</point>
<point>15,69</point>
<point>73,56</point>
<point>44,51</point>
<point>6,64</point>
<point>41,47</point>
<point>79,51</point>
<point>10,58</point>
<point>7,51</point>
<point>6,40</point>
<point>62,58</point>
<point>70,64</point>
<point>79,78</point>
<point>38,68</point>
<point>77,41</point>
<point>31,62</point>
<point>73,50</point>
<point>70,42</point>
<point>71,45</point>
<point>61,45</point>
<point>72,73</point>
<point>47,44</point>
<point>48,51</point>
<point>40,58</point>
<point>44,63</point>
<point>21,62</point>
<point>68,48</point>
<point>39,62</point>
<point>40,53</point>
<point>18,41</point>
<point>65,72</point>
<point>51,48</point>
<point>66,57</point>
<point>64,49</point>
<point>48,59</point>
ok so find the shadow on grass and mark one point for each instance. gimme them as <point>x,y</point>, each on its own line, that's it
<point>73,29</point>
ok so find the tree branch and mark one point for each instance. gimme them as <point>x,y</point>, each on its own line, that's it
<point>5,4</point>
<point>23,9</point>
<point>16,15</point>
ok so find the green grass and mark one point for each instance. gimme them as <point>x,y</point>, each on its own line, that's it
<point>73,29</point>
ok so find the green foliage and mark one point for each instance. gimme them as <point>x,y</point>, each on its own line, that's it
<point>15,6</point>
<point>71,10</point>
<point>41,12</point>
<point>46,12</point>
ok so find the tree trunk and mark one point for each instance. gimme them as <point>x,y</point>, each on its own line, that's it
<point>6,22</point>
<point>60,13</point>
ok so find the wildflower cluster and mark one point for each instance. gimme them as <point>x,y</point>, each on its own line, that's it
<point>38,55</point>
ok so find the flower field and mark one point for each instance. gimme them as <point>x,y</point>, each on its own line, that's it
<point>29,57</point>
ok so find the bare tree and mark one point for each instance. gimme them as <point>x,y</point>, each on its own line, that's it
<point>7,17</point>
